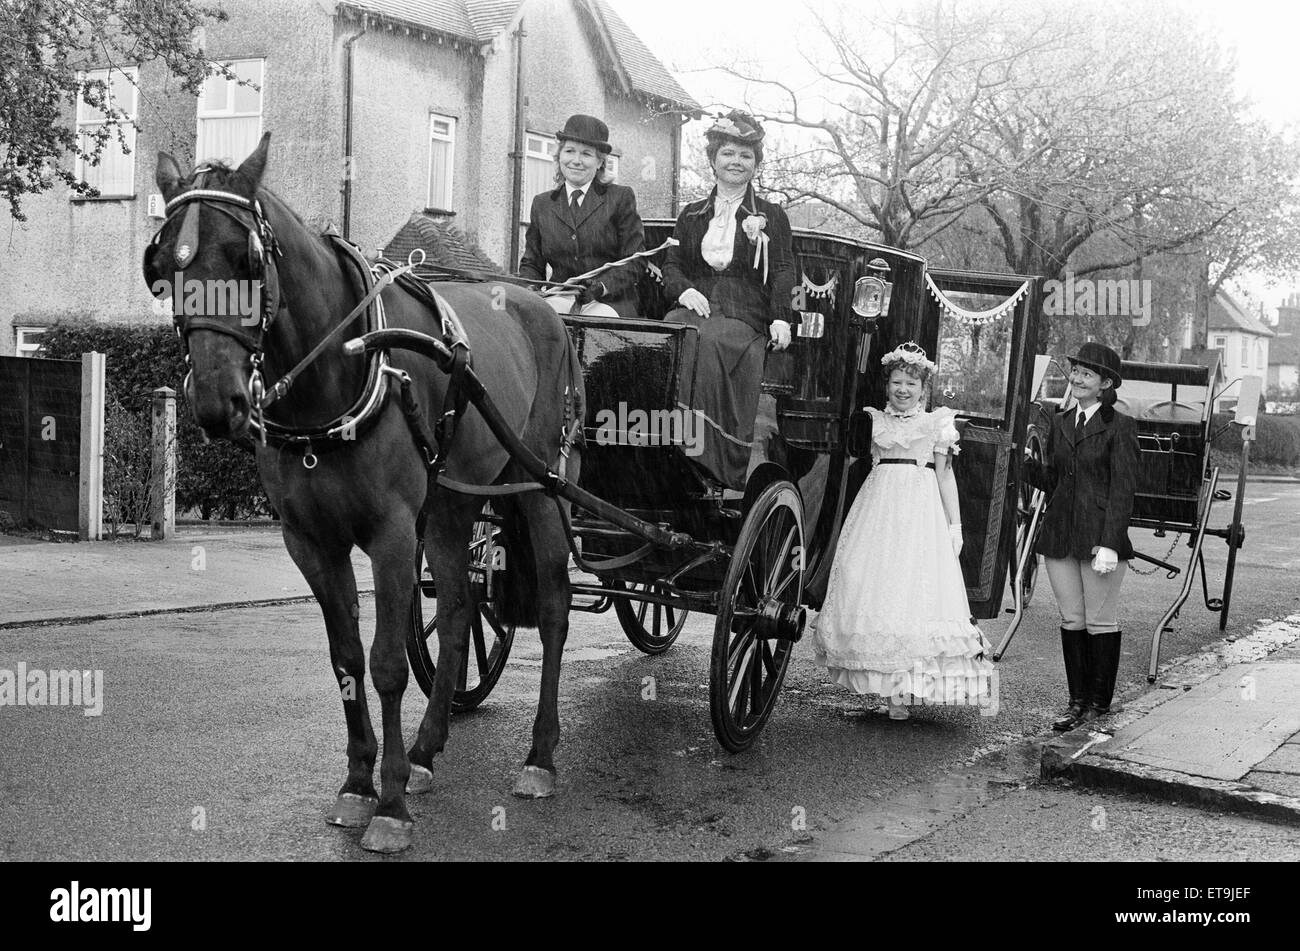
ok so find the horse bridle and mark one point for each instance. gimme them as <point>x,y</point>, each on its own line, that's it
<point>262,251</point>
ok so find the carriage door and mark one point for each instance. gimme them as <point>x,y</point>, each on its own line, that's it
<point>987,325</point>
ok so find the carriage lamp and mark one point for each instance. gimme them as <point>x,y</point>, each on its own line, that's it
<point>871,292</point>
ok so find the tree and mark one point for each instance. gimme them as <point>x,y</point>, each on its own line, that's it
<point>44,44</point>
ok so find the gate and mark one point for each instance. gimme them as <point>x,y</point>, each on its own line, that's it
<point>51,442</point>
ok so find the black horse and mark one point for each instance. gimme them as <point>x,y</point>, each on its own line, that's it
<point>343,463</point>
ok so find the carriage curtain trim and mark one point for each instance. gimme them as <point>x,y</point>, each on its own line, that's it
<point>827,290</point>
<point>975,317</point>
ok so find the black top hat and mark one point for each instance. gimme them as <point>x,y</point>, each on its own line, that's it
<point>1099,357</point>
<point>737,125</point>
<point>589,131</point>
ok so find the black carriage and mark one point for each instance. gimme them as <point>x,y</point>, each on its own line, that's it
<point>1178,485</point>
<point>661,543</point>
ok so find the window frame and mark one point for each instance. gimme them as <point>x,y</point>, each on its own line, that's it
<point>450,139</point>
<point>200,113</point>
<point>24,348</point>
<point>129,126</point>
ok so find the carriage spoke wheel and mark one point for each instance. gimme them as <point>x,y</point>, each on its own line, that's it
<point>764,580</point>
<point>1024,513</point>
<point>652,628</point>
<point>489,638</point>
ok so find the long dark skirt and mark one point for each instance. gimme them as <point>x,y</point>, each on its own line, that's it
<point>728,375</point>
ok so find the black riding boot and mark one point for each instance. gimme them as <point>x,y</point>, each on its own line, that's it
<point>1074,647</point>
<point>1103,663</point>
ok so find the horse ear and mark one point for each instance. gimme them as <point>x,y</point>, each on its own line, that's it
<point>168,175</point>
<point>253,166</point>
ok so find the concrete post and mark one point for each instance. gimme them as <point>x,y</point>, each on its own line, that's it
<point>90,484</point>
<point>162,503</point>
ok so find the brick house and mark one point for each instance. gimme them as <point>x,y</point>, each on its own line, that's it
<point>422,94</point>
<point>1284,349</point>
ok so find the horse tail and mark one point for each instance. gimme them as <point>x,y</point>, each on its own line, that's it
<point>517,600</point>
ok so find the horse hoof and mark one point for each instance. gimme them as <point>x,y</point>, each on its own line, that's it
<point>420,780</point>
<point>352,811</point>
<point>535,783</point>
<point>387,835</point>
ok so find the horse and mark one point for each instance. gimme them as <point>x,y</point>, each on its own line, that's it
<point>343,466</point>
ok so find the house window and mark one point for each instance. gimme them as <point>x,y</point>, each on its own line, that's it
<point>27,341</point>
<point>230,114</point>
<point>1220,343</point>
<point>442,154</point>
<point>611,168</point>
<point>539,168</point>
<point>114,176</point>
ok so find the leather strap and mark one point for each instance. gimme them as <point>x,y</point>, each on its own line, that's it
<point>904,462</point>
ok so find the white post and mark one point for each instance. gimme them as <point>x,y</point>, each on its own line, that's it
<point>162,503</point>
<point>90,495</point>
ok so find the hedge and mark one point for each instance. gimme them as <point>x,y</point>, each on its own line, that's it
<point>1277,439</point>
<point>216,480</point>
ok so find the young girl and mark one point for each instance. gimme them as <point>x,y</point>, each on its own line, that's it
<point>896,621</point>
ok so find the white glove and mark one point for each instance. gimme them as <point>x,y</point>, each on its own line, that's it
<point>779,331</point>
<point>954,533</point>
<point>694,300</point>
<point>1105,561</point>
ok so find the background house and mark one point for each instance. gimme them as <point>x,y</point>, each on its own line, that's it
<point>1242,339</point>
<point>378,110</point>
<point>1284,348</point>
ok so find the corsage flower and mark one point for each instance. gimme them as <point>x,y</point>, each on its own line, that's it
<point>755,227</point>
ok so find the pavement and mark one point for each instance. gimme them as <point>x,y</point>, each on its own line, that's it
<point>200,569</point>
<point>1220,728</point>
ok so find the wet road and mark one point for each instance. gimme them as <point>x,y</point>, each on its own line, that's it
<point>221,735</point>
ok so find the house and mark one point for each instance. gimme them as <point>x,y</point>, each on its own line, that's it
<point>378,110</point>
<point>1284,349</point>
<point>1242,339</point>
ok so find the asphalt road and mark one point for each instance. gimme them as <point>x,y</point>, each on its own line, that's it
<point>222,737</point>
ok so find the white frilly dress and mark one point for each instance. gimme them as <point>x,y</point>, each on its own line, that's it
<point>896,622</point>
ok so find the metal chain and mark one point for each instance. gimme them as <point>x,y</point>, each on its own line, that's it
<point>1132,566</point>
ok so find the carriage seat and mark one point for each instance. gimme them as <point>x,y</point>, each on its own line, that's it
<point>1162,411</point>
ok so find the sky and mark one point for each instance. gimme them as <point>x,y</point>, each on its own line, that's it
<point>691,35</point>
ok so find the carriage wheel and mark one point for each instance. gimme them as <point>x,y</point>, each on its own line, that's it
<point>1024,514</point>
<point>665,622</point>
<point>489,638</point>
<point>759,617</point>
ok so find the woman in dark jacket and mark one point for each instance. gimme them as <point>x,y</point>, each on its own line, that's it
<point>584,223</point>
<point>1090,476</point>
<point>733,274</point>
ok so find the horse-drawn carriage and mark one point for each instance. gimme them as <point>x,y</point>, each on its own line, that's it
<point>1177,482</point>
<point>350,459</point>
<point>760,560</point>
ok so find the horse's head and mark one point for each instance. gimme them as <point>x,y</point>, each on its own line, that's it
<point>213,257</point>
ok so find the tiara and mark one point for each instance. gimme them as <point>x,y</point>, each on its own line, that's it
<point>910,353</point>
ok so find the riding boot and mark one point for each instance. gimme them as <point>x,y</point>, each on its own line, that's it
<point>1103,661</point>
<point>1074,647</point>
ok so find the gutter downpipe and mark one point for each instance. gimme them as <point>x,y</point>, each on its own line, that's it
<point>347,131</point>
<point>515,213</point>
<point>677,164</point>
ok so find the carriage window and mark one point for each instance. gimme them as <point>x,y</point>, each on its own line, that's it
<point>974,354</point>
<point>114,176</point>
<point>442,157</point>
<point>230,114</point>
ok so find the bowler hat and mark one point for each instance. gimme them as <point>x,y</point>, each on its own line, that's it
<point>1101,358</point>
<point>589,131</point>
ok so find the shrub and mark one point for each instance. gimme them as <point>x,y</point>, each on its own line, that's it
<point>216,479</point>
<point>1277,439</point>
